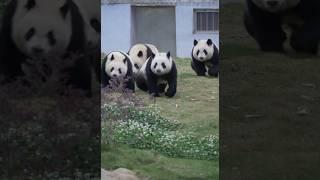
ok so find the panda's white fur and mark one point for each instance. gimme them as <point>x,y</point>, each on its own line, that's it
<point>115,66</point>
<point>139,54</point>
<point>275,5</point>
<point>88,9</point>
<point>153,48</point>
<point>40,17</point>
<point>202,51</point>
<point>134,70</point>
<point>159,59</point>
<point>161,64</point>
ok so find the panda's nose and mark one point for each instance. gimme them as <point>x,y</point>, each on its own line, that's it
<point>37,50</point>
<point>158,71</point>
<point>272,3</point>
<point>114,75</point>
<point>201,58</point>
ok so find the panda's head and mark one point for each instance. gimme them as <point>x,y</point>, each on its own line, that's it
<point>116,65</point>
<point>203,50</point>
<point>42,28</point>
<point>161,63</point>
<point>138,54</point>
<point>274,6</point>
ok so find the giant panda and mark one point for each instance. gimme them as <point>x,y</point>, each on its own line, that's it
<point>158,72</point>
<point>89,10</point>
<point>43,30</point>
<point>264,20</point>
<point>205,57</point>
<point>139,53</point>
<point>117,65</point>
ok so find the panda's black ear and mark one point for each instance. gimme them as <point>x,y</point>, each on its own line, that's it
<point>168,54</point>
<point>64,10</point>
<point>125,60</point>
<point>112,57</point>
<point>195,42</point>
<point>140,54</point>
<point>152,55</point>
<point>30,4</point>
<point>209,42</point>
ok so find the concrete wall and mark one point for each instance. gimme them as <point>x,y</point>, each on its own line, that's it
<point>116,27</point>
<point>185,35</point>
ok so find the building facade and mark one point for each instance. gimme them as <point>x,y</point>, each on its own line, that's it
<point>171,25</point>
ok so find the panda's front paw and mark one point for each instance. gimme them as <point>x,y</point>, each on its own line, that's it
<point>302,43</point>
<point>170,93</point>
<point>213,72</point>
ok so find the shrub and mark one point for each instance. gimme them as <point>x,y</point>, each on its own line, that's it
<point>144,128</point>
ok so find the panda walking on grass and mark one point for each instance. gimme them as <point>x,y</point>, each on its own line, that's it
<point>264,20</point>
<point>158,75</point>
<point>205,58</point>
<point>117,66</point>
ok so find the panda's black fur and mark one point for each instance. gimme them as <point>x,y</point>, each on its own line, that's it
<point>211,66</point>
<point>148,81</point>
<point>105,78</point>
<point>11,58</point>
<point>266,27</point>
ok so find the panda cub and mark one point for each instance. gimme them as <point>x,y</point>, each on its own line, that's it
<point>117,65</point>
<point>139,53</point>
<point>158,72</point>
<point>41,30</point>
<point>205,55</point>
<point>264,20</point>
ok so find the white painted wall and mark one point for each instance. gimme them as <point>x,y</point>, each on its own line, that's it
<point>184,27</point>
<point>116,27</point>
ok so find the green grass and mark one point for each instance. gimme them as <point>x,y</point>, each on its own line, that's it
<point>196,107</point>
<point>157,167</point>
<point>275,88</point>
<point>196,104</point>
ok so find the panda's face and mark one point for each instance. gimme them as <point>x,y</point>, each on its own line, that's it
<point>138,55</point>
<point>203,50</point>
<point>161,63</point>
<point>116,65</point>
<point>276,5</point>
<point>42,28</point>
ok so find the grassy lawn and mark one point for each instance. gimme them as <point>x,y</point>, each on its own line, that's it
<point>270,107</point>
<point>196,107</point>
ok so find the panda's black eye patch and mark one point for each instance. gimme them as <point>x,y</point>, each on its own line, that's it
<point>136,65</point>
<point>205,52</point>
<point>95,24</point>
<point>30,4</point>
<point>155,65</point>
<point>140,54</point>
<point>30,33</point>
<point>64,10</point>
<point>119,71</point>
<point>198,52</point>
<point>111,69</point>
<point>51,38</point>
<point>163,65</point>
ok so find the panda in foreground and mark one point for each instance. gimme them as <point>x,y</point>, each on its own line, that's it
<point>264,20</point>
<point>205,57</point>
<point>39,30</point>
<point>139,53</point>
<point>117,65</point>
<point>158,72</point>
